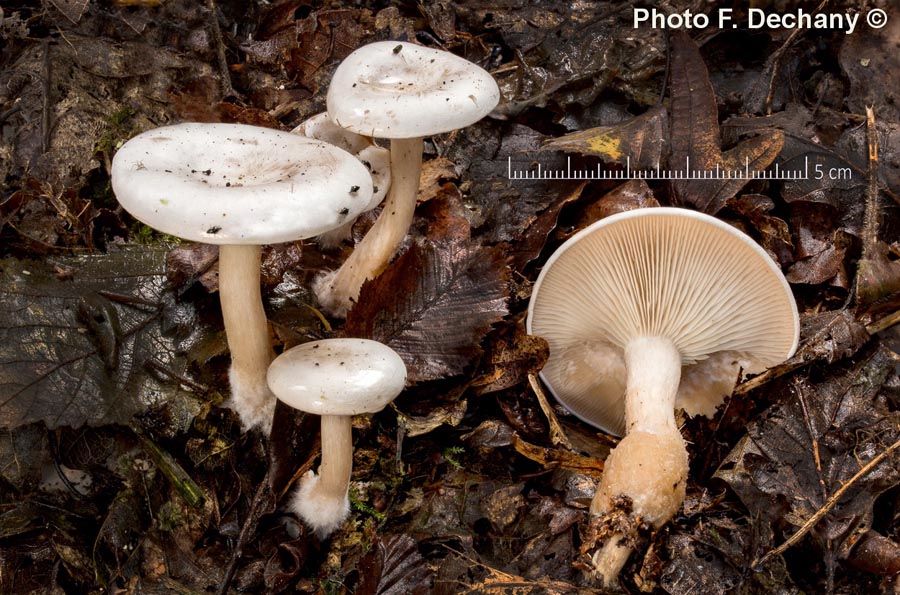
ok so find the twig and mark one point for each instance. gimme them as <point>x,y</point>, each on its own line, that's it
<point>249,523</point>
<point>224,73</point>
<point>815,518</point>
<point>777,55</point>
<point>768,376</point>
<point>872,214</point>
<point>883,323</point>
<point>557,436</point>
<point>45,100</point>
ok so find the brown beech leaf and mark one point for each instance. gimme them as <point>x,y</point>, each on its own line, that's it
<point>532,241</point>
<point>434,305</point>
<point>633,194</point>
<point>695,134</point>
<point>811,445</point>
<point>394,566</point>
<point>642,139</point>
<point>510,357</point>
<point>71,9</point>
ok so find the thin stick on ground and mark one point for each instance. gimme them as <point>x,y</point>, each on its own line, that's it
<point>557,435</point>
<point>835,498</point>
<point>263,493</point>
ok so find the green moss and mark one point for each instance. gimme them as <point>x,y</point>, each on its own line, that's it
<point>363,507</point>
<point>116,131</point>
<point>169,516</point>
<point>146,235</point>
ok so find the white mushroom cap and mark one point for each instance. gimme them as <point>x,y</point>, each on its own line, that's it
<point>237,184</point>
<point>391,89</point>
<point>376,159</point>
<point>663,272</point>
<point>338,376</point>
<point>321,127</point>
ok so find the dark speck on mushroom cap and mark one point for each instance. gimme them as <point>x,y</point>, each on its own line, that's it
<point>414,92</point>
<point>272,186</point>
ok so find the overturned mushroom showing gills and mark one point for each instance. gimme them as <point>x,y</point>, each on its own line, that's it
<point>647,311</point>
<point>337,379</point>
<point>376,159</point>
<point>239,187</point>
<point>403,92</point>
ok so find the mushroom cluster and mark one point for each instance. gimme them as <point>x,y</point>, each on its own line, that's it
<point>240,187</point>
<point>645,312</point>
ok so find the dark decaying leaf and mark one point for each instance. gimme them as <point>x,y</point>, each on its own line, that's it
<point>695,134</point>
<point>510,357</point>
<point>70,355</point>
<point>433,306</point>
<point>394,567</point>
<point>771,231</point>
<point>713,559</point>
<point>802,451</point>
<point>861,56</point>
<point>71,9</point>
<point>505,208</point>
<point>532,241</point>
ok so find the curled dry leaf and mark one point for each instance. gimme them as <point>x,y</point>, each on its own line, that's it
<point>639,142</point>
<point>695,134</point>
<point>510,356</point>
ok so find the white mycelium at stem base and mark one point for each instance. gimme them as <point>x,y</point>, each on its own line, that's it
<point>339,289</point>
<point>239,187</point>
<point>247,331</point>
<point>322,500</point>
<point>650,464</point>
<point>334,378</point>
<point>404,92</point>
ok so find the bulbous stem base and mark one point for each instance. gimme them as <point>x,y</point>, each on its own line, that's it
<point>650,464</point>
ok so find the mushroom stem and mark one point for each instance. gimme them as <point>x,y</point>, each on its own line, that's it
<point>337,291</point>
<point>337,456</point>
<point>322,501</point>
<point>650,463</point>
<point>247,331</point>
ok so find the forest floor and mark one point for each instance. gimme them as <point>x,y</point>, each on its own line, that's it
<point>122,472</point>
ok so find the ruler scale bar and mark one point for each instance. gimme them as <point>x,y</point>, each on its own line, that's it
<point>628,173</point>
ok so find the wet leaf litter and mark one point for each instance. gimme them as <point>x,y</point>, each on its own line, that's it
<point>122,470</point>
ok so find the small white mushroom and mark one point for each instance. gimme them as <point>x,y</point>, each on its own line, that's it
<point>646,311</point>
<point>337,379</point>
<point>239,187</point>
<point>403,92</point>
<point>376,159</point>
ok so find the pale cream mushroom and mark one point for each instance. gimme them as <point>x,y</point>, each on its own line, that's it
<point>647,311</point>
<point>337,379</point>
<point>239,187</point>
<point>376,159</point>
<point>403,92</point>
